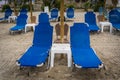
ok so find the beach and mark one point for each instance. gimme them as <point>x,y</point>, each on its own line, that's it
<point>12,47</point>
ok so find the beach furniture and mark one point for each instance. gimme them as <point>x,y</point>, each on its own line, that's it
<point>8,12</point>
<point>90,19</point>
<point>84,56</point>
<point>54,14</point>
<point>57,30</point>
<point>70,13</point>
<point>20,23</point>
<point>114,18</point>
<point>38,52</point>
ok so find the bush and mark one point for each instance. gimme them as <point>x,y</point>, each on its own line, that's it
<point>70,6</point>
<point>97,5</point>
<point>57,4</point>
<point>26,6</point>
<point>77,1</point>
<point>87,5</point>
<point>4,7</point>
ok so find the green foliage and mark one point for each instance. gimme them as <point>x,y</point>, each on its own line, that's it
<point>46,3</point>
<point>57,4</point>
<point>87,5</point>
<point>115,2</point>
<point>97,5</point>
<point>70,6</point>
<point>4,7</point>
<point>26,6</point>
<point>110,7</point>
<point>42,8</point>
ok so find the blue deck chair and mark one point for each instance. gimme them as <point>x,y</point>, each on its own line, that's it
<point>83,55</point>
<point>54,14</point>
<point>37,54</point>
<point>114,18</point>
<point>20,24</point>
<point>70,13</point>
<point>90,19</point>
<point>8,12</point>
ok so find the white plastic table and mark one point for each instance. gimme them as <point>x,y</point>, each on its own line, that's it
<point>102,24</point>
<point>60,48</point>
<point>30,25</point>
<point>11,18</point>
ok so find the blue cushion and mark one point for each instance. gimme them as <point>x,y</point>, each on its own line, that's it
<point>16,28</point>
<point>43,35</point>
<point>34,56</point>
<point>54,13</point>
<point>70,13</point>
<point>43,18</point>
<point>79,35</point>
<point>85,58</point>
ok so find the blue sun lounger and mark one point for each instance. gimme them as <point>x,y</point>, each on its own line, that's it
<point>20,24</point>
<point>83,55</point>
<point>114,18</point>
<point>90,19</point>
<point>8,12</point>
<point>38,53</point>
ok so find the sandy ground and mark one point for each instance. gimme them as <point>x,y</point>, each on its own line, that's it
<point>12,47</point>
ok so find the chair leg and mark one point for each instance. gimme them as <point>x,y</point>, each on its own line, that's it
<point>98,31</point>
<point>73,68</point>
<point>20,68</point>
<point>28,73</point>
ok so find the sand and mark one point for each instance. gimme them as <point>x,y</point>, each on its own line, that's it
<point>12,47</point>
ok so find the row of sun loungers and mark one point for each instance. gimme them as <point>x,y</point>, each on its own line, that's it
<point>83,55</point>
<point>90,18</point>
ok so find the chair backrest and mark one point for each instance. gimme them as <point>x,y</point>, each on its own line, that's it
<point>43,18</point>
<point>54,13</point>
<point>57,29</point>
<point>8,12</point>
<point>114,16</point>
<point>90,18</point>
<point>70,13</point>
<point>79,35</point>
<point>23,11</point>
<point>22,19</point>
<point>43,33</point>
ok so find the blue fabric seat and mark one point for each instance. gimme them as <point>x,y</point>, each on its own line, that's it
<point>29,59</point>
<point>114,18</point>
<point>83,55</point>
<point>42,42</point>
<point>8,12</point>
<point>90,19</point>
